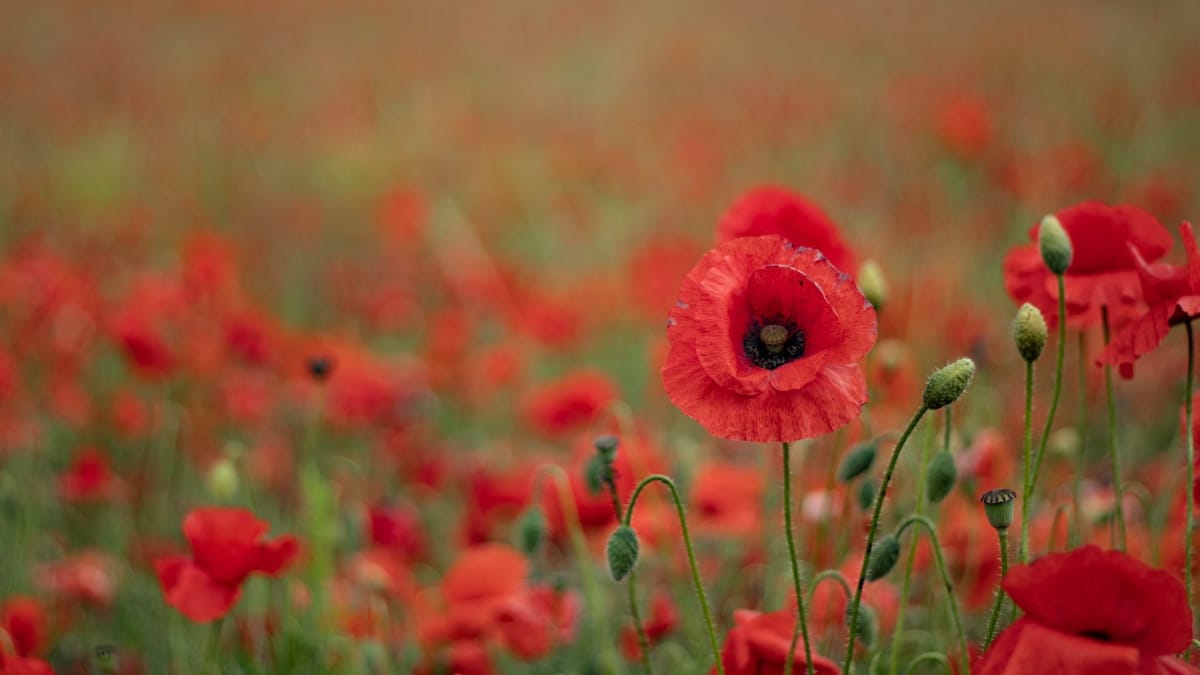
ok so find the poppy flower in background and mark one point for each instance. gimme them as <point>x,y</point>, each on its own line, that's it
<point>1103,268</point>
<point>758,645</point>
<point>1092,611</point>
<point>765,341</point>
<point>569,403</point>
<point>1172,295</point>
<point>226,547</point>
<point>24,620</point>
<point>664,617</point>
<point>772,209</point>
<point>89,478</point>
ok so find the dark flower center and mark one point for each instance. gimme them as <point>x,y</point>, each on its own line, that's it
<point>773,342</point>
<point>1098,635</point>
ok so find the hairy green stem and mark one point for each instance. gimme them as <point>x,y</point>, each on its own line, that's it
<point>1114,455</point>
<point>687,542</point>
<point>1026,466</point>
<point>828,574</point>
<point>1077,529</point>
<point>931,530</point>
<point>879,497</point>
<point>991,626</point>
<point>906,585</point>
<point>1058,376</point>
<point>639,627</point>
<point>801,629</point>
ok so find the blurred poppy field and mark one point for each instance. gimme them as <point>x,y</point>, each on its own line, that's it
<point>593,337</point>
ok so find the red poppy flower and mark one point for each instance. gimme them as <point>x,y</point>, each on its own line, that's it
<point>16,665</point>
<point>569,403</point>
<point>88,479</point>
<point>772,209</point>
<point>758,645</point>
<point>24,620</point>
<point>1092,611</point>
<point>1172,295</point>
<point>664,616</point>
<point>226,548</point>
<point>764,342</point>
<point>1102,271</point>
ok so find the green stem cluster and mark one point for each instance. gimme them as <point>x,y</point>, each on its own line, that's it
<point>931,530</point>
<point>801,622</point>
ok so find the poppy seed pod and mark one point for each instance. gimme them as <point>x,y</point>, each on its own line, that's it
<point>873,284</point>
<point>948,383</point>
<point>883,557</point>
<point>1029,332</point>
<point>999,505</point>
<point>941,475</point>
<point>857,462</point>
<point>622,552</point>
<point>531,529</point>
<point>1055,245</point>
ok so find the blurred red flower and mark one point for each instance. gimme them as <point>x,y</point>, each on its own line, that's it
<point>771,209</point>
<point>89,478</point>
<point>569,403</point>
<point>1102,271</point>
<point>24,620</point>
<point>758,645</point>
<point>764,342</point>
<point>664,616</point>
<point>226,548</point>
<point>1092,611</point>
<point>1172,295</point>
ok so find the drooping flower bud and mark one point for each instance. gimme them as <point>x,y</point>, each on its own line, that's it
<point>866,494</point>
<point>873,284</point>
<point>999,504</point>
<point>1029,331</point>
<point>940,476</point>
<point>595,474</point>
<point>1054,244</point>
<point>883,557</point>
<point>857,462</point>
<point>222,480</point>
<point>866,622</point>
<point>622,552</point>
<point>948,383</point>
<point>531,529</point>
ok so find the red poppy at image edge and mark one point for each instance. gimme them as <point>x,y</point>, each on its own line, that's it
<point>1092,611</point>
<point>227,547</point>
<point>1102,271</point>
<point>771,209</point>
<point>764,342</point>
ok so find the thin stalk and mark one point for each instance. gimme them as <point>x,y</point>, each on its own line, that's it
<point>643,640</point>
<point>1058,376</point>
<point>879,496</point>
<point>931,530</point>
<point>828,574</point>
<point>1114,455</point>
<point>1026,465</point>
<point>1077,534</point>
<point>906,585</point>
<point>1191,455</point>
<point>802,622</point>
<point>933,657</point>
<point>991,627</point>
<point>687,542</point>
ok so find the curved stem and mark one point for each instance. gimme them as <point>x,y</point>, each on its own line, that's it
<point>941,565</point>
<point>879,497</point>
<point>934,657</point>
<point>991,627</point>
<point>801,622</point>
<point>1058,376</point>
<point>1118,508</point>
<point>687,542</point>
<point>906,585</point>
<point>828,574</point>
<point>1191,456</point>
<point>639,627</point>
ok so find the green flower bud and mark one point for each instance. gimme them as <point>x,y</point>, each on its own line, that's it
<point>865,630</point>
<point>948,383</point>
<point>999,505</point>
<point>622,552</point>
<point>857,462</point>
<point>1055,245</point>
<point>222,480</point>
<point>940,476</point>
<point>883,557</point>
<point>531,529</point>
<point>872,284</point>
<point>595,474</point>
<point>606,446</point>
<point>1029,331</point>
<point>866,494</point>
